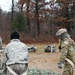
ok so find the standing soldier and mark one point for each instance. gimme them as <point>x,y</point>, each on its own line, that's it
<point>67,52</point>
<point>17,56</point>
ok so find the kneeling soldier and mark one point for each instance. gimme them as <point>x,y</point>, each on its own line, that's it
<point>17,56</point>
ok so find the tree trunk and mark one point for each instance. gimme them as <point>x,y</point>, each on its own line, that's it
<point>37,18</point>
<point>22,7</point>
<point>12,9</point>
<point>28,19</point>
<point>74,19</point>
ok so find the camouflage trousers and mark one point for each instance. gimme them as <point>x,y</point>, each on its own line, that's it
<point>18,68</point>
<point>68,70</point>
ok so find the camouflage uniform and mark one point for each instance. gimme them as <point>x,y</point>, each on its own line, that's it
<point>67,50</point>
<point>67,47</point>
<point>17,56</point>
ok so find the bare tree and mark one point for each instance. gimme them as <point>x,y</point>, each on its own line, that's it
<point>12,9</point>
<point>37,17</point>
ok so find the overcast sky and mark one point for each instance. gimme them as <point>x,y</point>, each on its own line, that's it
<point>6,4</point>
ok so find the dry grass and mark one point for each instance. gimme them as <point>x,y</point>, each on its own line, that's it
<point>42,60</point>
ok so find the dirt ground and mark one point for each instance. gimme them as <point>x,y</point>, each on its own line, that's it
<point>44,61</point>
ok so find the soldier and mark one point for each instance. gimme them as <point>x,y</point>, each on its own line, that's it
<point>17,56</point>
<point>67,52</point>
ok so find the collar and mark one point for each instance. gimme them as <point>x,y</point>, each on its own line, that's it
<point>15,40</point>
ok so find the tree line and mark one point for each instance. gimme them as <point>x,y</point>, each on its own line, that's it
<point>35,19</point>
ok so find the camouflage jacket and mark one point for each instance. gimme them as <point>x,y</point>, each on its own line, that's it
<point>67,50</point>
<point>16,52</point>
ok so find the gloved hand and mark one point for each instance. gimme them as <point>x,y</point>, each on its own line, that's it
<point>60,48</point>
<point>60,65</point>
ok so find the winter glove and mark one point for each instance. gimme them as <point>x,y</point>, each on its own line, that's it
<point>60,48</point>
<point>60,65</point>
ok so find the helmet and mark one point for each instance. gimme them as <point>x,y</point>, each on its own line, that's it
<point>61,31</point>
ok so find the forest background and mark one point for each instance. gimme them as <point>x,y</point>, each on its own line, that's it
<point>38,20</point>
